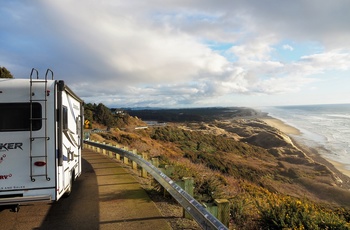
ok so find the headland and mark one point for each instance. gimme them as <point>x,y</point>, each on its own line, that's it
<point>294,169</point>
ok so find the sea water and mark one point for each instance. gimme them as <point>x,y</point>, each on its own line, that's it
<point>323,127</point>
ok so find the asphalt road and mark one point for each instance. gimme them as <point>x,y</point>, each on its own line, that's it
<point>105,196</point>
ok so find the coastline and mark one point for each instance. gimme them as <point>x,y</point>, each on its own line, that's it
<point>340,167</point>
<point>337,167</point>
<point>280,125</point>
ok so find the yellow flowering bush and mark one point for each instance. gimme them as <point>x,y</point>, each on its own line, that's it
<point>284,212</point>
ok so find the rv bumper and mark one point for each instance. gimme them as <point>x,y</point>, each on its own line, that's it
<point>26,199</point>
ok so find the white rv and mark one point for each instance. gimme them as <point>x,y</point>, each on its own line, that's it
<point>41,131</point>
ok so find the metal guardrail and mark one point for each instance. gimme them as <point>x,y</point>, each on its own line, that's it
<point>204,218</point>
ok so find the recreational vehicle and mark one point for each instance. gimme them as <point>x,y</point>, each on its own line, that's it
<point>41,131</point>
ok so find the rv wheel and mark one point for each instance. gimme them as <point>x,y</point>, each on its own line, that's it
<point>69,191</point>
<point>15,208</point>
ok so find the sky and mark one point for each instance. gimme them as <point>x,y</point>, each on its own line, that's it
<point>183,53</point>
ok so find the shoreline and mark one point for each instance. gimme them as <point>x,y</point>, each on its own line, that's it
<point>280,125</point>
<point>334,166</point>
<point>341,167</point>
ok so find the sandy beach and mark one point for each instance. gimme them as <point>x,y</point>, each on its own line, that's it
<point>336,167</point>
<point>340,167</point>
<point>280,125</point>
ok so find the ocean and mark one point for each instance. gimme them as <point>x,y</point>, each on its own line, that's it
<point>323,127</point>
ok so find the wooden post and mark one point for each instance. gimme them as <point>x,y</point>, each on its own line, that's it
<point>125,159</point>
<point>144,171</point>
<point>93,147</point>
<point>103,150</point>
<point>187,184</point>
<point>134,164</point>
<point>155,161</point>
<point>117,156</point>
<point>109,153</point>
<point>97,148</point>
<point>169,171</point>
<point>223,211</point>
<point>212,208</point>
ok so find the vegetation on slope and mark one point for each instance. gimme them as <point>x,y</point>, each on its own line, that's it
<point>268,188</point>
<point>100,114</point>
<point>216,152</point>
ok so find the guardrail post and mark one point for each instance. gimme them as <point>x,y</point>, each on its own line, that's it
<point>117,156</point>
<point>103,150</point>
<point>187,184</point>
<point>144,171</point>
<point>109,153</point>
<point>155,161</point>
<point>212,208</point>
<point>93,148</point>
<point>125,159</point>
<point>134,164</point>
<point>223,211</point>
<point>98,148</point>
<point>169,171</point>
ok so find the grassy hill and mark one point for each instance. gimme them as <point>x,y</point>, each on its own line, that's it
<point>270,183</point>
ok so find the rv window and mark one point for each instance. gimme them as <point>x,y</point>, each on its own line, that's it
<point>65,118</point>
<point>78,123</point>
<point>16,117</point>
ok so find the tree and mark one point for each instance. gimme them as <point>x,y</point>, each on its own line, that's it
<point>104,116</point>
<point>4,73</point>
<point>89,110</point>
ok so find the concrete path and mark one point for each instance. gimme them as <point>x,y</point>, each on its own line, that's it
<point>123,204</point>
<point>105,196</point>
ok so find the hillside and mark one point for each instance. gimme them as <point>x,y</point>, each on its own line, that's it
<point>233,154</point>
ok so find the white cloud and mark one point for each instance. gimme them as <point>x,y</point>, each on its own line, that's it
<point>159,52</point>
<point>288,47</point>
<point>331,60</point>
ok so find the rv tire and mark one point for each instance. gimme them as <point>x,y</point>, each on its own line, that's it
<point>15,208</point>
<point>69,190</point>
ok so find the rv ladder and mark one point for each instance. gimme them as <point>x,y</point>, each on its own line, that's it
<point>43,119</point>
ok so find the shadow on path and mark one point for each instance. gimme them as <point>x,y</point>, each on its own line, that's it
<point>81,209</point>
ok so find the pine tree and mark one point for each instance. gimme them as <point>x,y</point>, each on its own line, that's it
<point>104,116</point>
<point>4,73</point>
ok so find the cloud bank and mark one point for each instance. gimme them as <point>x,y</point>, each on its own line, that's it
<point>178,53</point>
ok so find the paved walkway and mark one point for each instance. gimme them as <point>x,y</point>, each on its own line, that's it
<point>104,197</point>
<point>123,203</point>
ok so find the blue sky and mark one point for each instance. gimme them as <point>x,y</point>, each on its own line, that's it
<point>195,53</point>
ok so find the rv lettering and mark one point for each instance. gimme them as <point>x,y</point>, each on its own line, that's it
<point>7,146</point>
<point>18,187</point>
<point>2,158</point>
<point>4,177</point>
<point>12,187</point>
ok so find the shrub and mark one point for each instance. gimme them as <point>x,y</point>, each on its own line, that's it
<point>243,211</point>
<point>292,213</point>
